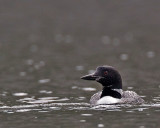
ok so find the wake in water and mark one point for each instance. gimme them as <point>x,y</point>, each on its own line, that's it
<point>75,106</point>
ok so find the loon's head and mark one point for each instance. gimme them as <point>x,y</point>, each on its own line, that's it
<point>107,76</point>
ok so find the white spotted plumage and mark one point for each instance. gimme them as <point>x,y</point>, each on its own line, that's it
<point>128,97</point>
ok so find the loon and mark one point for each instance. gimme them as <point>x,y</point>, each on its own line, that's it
<point>112,92</point>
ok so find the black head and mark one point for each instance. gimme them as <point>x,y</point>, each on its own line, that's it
<point>107,76</point>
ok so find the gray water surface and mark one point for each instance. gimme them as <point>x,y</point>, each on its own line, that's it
<point>46,46</point>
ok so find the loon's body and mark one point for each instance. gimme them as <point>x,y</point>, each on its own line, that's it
<point>112,92</point>
<point>128,97</point>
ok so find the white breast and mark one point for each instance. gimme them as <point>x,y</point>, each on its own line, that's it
<point>108,100</point>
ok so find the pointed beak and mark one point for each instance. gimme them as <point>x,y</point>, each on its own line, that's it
<point>89,77</point>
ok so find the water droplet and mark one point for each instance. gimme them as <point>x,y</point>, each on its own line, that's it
<point>20,94</point>
<point>142,96</point>
<point>124,57</point>
<point>105,40</point>
<point>129,111</point>
<point>24,100</point>
<point>150,54</point>
<point>43,81</point>
<point>116,41</point>
<point>91,71</point>
<point>141,109</point>
<point>42,63</point>
<point>86,114</point>
<point>142,127</point>
<point>40,101</point>
<point>45,92</point>
<point>36,66</point>
<point>39,65</point>
<point>10,112</point>
<point>48,98</point>
<point>23,110</point>
<point>130,87</point>
<point>3,94</point>
<point>79,68</point>
<point>22,73</point>
<point>29,62</point>
<point>82,120</point>
<point>88,89</point>
<point>55,108</point>
<point>100,125</point>
<point>43,100</point>
<point>74,87</point>
<point>81,98</point>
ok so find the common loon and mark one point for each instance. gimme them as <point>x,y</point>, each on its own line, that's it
<point>112,92</point>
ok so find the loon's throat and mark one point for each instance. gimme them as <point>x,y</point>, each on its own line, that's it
<point>107,91</point>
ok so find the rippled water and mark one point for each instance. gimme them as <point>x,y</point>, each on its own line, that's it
<point>46,46</point>
<point>75,111</point>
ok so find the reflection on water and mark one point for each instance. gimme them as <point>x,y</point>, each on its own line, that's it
<point>20,94</point>
<point>55,103</point>
<point>81,110</point>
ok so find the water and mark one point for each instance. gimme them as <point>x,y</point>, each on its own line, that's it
<point>45,47</point>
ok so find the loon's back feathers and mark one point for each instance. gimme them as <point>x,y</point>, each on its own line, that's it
<point>112,92</point>
<point>131,97</point>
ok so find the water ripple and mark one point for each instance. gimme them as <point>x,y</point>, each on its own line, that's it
<point>46,104</point>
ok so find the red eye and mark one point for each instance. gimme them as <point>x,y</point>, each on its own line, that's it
<point>105,73</point>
